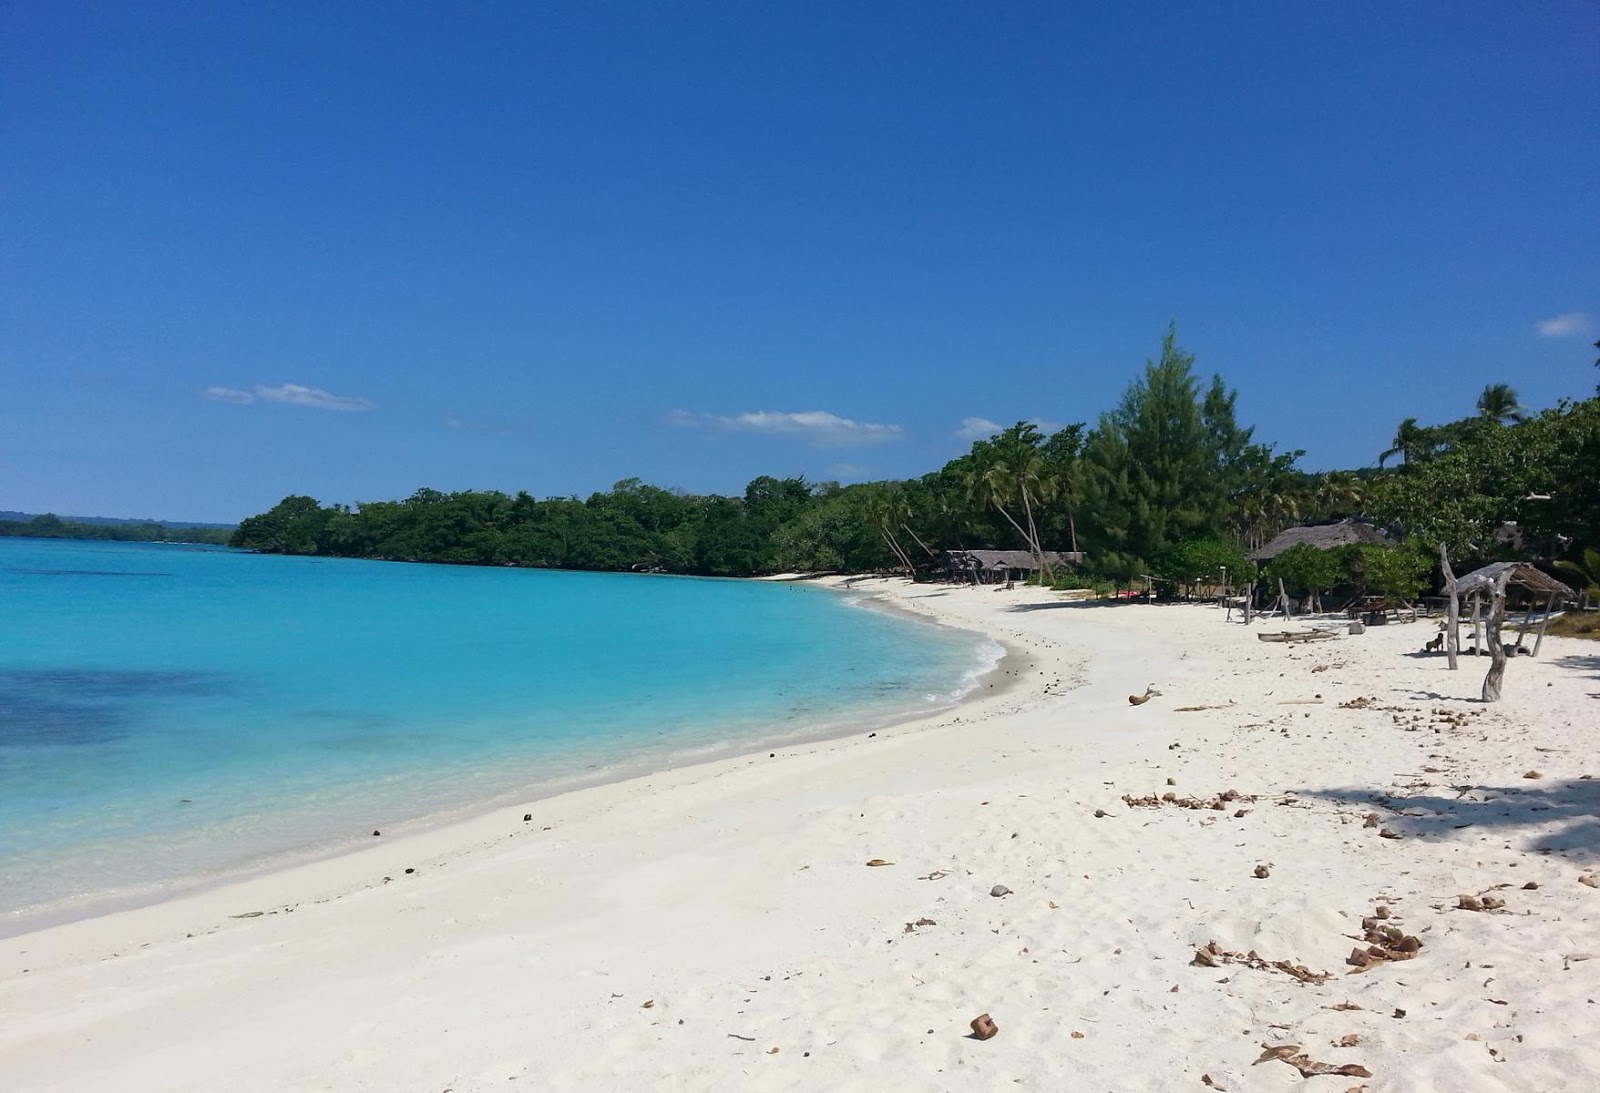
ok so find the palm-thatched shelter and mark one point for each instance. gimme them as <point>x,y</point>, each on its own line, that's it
<point>1347,532</point>
<point>1497,578</point>
<point>992,566</point>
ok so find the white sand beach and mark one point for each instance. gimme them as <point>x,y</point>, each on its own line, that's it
<point>720,926</point>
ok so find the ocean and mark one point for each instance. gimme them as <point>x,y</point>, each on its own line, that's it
<point>171,715</point>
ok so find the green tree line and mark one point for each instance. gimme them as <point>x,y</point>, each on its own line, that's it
<point>1168,483</point>
<point>50,526</point>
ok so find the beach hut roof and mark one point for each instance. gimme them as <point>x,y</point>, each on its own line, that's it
<point>1011,559</point>
<point>1324,537</point>
<point>1523,575</point>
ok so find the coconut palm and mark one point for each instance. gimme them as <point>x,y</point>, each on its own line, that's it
<point>1499,403</point>
<point>1411,442</point>
<point>886,510</point>
<point>993,484</point>
<point>1587,571</point>
<point>1337,493</point>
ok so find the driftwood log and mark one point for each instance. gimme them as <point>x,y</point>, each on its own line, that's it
<point>1452,638</point>
<point>1497,649</point>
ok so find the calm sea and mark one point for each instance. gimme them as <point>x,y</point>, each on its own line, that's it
<point>171,714</point>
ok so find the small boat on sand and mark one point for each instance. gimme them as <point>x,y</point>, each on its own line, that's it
<point>1296,635</point>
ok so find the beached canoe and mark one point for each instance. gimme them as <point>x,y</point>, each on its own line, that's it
<point>1296,635</point>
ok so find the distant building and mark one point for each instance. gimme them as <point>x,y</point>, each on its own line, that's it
<point>989,566</point>
<point>1325,537</point>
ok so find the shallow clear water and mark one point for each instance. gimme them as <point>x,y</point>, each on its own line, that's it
<point>170,713</point>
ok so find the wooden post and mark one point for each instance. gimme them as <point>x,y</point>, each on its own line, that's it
<point>1452,639</point>
<point>1549,603</point>
<point>1497,649</point>
<point>1249,602</point>
<point>1527,624</point>
<point>1477,624</point>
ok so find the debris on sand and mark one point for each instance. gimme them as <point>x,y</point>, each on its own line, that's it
<point>1212,955</point>
<point>1384,943</point>
<point>1217,802</point>
<point>983,1027</point>
<point>1308,1067</point>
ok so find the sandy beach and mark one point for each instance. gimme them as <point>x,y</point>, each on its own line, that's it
<point>826,917</point>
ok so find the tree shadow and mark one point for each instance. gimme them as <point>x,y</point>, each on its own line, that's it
<point>1572,806</point>
<point>1069,605</point>
<point>1581,662</point>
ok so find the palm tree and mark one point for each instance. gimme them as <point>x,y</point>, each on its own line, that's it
<point>1411,442</point>
<point>886,509</point>
<point>1499,403</point>
<point>1588,571</point>
<point>1337,493</point>
<point>993,483</point>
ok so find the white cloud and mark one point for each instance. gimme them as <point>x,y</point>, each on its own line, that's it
<point>817,426</point>
<point>977,428</point>
<point>292,394</point>
<point>228,394</point>
<point>1573,322</point>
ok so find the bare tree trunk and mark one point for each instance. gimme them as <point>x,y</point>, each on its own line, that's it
<point>1013,523</point>
<point>1033,537</point>
<point>1453,618</point>
<point>1497,648</point>
<point>920,543</point>
<point>1549,605</point>
<point>894,548</point>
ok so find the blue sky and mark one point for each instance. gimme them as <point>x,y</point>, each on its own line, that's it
<point>354,249</point>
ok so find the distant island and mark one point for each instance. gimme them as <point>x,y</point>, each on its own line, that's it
<point>23,525</point>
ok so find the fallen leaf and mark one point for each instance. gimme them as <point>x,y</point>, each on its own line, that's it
<point>1310,1068</point>
<point>1280,1051</point>
<point>772,1051</point>
<point>1076,1035</point>
<point>648,1004</point>
<point>875,862</point>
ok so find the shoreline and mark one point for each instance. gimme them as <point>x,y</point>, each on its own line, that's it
<point>30,920</point>
<point>720,926</point>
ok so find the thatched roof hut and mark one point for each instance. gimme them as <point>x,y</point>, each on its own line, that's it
<point>1324,537</point>
<point>990,562</point>
<point>1523,575</point>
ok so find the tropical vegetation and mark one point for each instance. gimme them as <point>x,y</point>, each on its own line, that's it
<point>1167,487</point>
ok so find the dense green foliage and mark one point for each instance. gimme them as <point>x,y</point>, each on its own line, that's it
<point>1462,482</point>
<point>1186,565</point>
<point>1167,485</point>
<point>1305,570</point>
<point>50,526</point>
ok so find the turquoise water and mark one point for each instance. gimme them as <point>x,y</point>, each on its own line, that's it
<point>170,714</point>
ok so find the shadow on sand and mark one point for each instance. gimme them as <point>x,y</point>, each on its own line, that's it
<point>1574,806</point>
